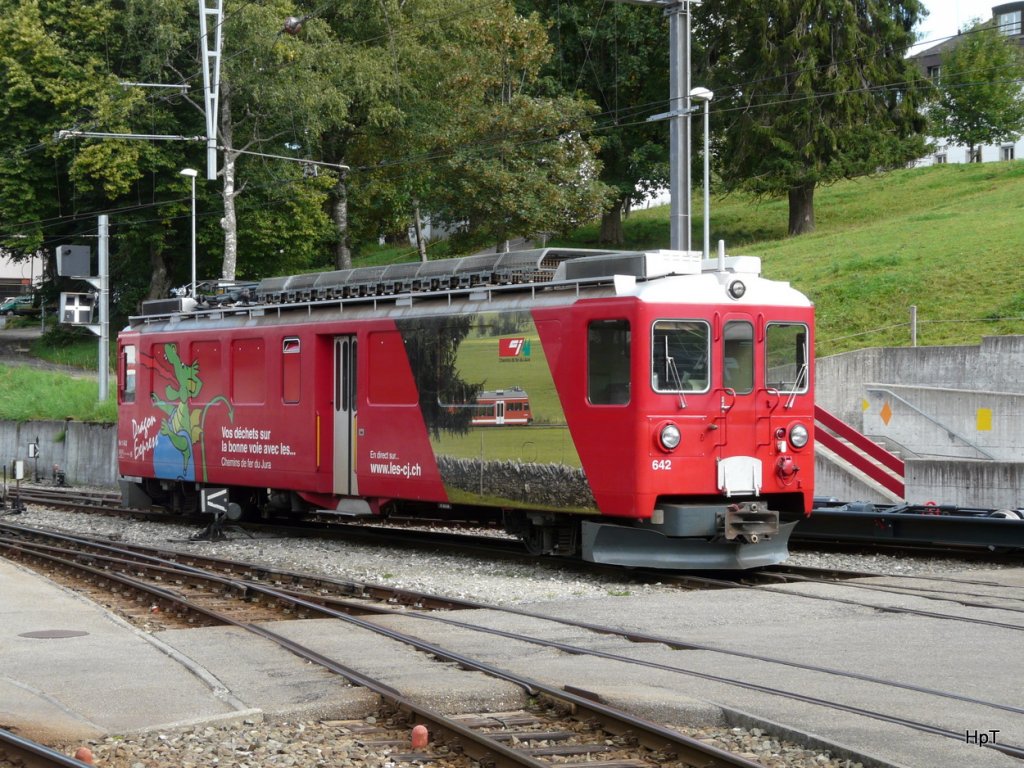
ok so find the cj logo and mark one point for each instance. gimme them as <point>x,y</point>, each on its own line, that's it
<point>514,348</point>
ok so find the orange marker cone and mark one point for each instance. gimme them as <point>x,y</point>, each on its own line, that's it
<point>420,737</point>
<point>84,754</point>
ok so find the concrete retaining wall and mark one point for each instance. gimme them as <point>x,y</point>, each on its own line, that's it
<point>992,366</point>
<point>990,421</point>
<point>966,483</point>
<point>86,452</point>
<point>936,403</point>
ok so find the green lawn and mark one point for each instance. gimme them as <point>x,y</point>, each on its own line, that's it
<point>28,394</point>
<point>947,239</point>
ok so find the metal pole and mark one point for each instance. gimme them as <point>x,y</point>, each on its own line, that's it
<point>104,270</point>
<point>211,53</point>
<point>707,181</point>
<point>913,326</point>
<point>679,126</point>
<point>193,235</point>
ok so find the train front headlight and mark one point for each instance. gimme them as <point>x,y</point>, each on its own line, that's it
<point>670,437</point>
<point>798,435</point>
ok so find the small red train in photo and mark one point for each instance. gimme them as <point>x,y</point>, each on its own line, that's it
<point>669,419</point>
<point>501,407</point>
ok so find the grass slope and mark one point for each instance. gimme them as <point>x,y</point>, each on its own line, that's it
<point>948,239</point>
<point>27,394</point>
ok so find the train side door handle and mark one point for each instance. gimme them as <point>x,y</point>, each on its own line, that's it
<point>732,393</point>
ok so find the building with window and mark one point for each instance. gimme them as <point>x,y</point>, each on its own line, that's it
<point>1007,18</point>
<point>19,276</point>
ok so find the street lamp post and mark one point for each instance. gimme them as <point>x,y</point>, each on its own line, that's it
<point>703,94</point>
<point>192,173</point>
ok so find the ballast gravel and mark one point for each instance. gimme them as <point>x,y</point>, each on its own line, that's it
<point>257,743</point>
<point>330,744</point>
<point>468,577</point>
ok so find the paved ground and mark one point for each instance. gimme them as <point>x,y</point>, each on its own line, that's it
<point>110,678</point>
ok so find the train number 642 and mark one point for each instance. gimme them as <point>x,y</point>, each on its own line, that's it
<point>661,464</point>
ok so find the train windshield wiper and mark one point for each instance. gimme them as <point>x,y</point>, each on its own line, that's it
<point>674,378</point>
<point>801,378</point>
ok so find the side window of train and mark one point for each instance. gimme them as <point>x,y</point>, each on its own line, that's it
<point>738,357</point>
<point>786,357</point>
<point>608,343</point>
<point>680,351</point>
<point>291,367</point>
<point>128,373</point>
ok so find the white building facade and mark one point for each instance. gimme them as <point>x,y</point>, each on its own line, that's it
<point>18,277</point>
<point>1008,18</point>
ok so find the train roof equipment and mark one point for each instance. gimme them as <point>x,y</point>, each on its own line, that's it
<point>536,269</point>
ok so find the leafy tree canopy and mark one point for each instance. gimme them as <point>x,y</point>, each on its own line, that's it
<point>979,98</point>
<point>616,55</point>
<point>811,91</point>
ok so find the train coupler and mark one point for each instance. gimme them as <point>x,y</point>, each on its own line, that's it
<point>750,521</point>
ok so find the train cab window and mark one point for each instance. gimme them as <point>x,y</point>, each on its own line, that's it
<point>738,357</point>
<point>608,343</point>
<point>127,382</point>
<point>291,367</point>
<point>680,350</point>
<point>786,357</point>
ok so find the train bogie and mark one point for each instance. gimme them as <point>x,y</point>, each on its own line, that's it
<point>642,409</point>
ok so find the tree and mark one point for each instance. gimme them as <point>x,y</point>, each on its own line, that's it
<point>47,82</point>
<point>444,114</point>
<point>512,161</point>
<point>432,345</point>
<point>271,99</point>
<point>812,91</point>
<point>979,93</point>
<point>617,55</point>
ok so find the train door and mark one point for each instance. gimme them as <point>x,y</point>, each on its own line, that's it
<point>739,469</point>
<point>345,416</point>
<point>499,412</point>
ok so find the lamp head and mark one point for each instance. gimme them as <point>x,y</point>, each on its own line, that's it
<point>701,94</point>
<point>191,172</point>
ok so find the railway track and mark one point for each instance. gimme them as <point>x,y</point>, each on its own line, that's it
<point>305,594</point>
<point>585,730</point>
<point>470,543</point>
<point>446,534</point>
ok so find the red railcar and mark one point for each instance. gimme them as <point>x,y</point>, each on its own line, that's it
<point>670,400</point>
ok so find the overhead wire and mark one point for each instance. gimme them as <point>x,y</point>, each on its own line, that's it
<point>638,110</point>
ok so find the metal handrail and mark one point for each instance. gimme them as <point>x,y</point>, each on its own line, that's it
<point>933,420</point>
<point>860,451</point>
<point>860,441</point>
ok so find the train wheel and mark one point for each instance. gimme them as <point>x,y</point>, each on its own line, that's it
<point>534,540</point>
<point>561,540</point>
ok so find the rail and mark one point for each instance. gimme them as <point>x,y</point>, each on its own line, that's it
<point>861,452</point>
<point>933,420</point>
<point>27,753</point>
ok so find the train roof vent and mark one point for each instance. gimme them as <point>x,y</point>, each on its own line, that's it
<point>167,306</point>
<point>635,264</point>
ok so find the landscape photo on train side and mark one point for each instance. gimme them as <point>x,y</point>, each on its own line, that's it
<point>496,424</point>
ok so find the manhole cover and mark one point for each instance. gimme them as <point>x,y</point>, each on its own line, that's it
<point>48,634</point>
